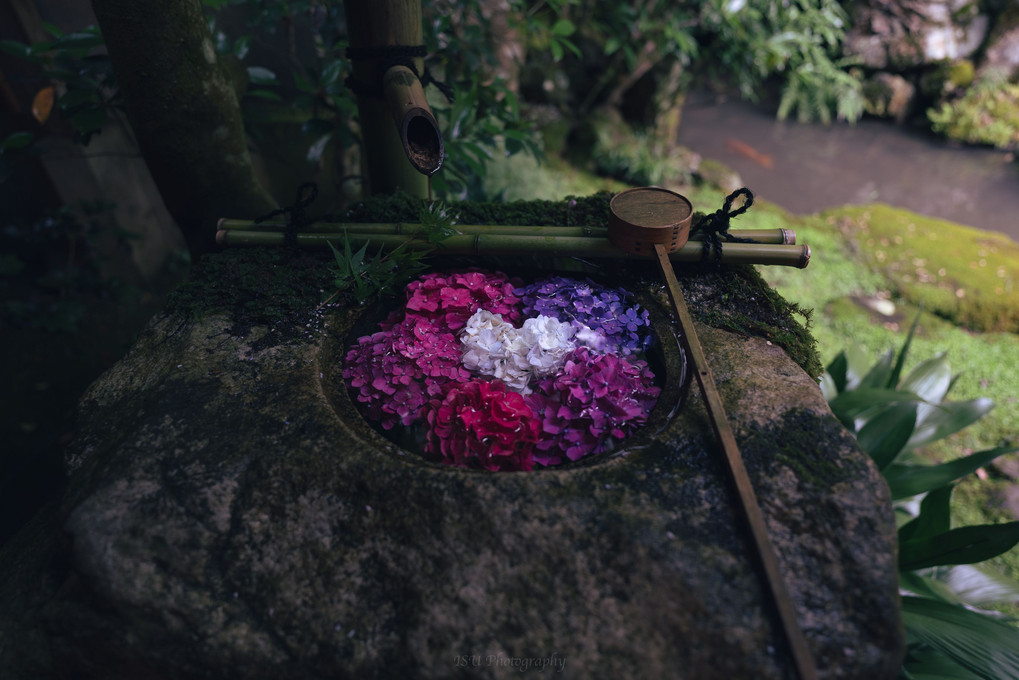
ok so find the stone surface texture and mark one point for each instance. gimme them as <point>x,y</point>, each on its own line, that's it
<point>902,35</point>
<point>230,515</point>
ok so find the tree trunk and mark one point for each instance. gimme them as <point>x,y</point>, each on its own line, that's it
<point>184,112</point>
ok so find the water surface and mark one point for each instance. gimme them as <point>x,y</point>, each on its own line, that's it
<point>809,167</point>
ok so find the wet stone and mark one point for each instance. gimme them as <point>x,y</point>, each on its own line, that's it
<point>229,514</point>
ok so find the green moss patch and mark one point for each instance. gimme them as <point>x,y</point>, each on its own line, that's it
<point>281,287</point>
<point>960,273</point>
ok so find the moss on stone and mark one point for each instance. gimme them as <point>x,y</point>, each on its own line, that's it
<point>281,287</point>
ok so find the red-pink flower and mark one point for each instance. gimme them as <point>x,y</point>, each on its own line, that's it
<point>482,425</point>
<point>451,299</point>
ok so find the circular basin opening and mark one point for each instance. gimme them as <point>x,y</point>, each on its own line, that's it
<point>484,371</point>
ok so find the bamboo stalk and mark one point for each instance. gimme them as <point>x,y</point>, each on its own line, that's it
<point>508,244</point>
<point>375,24</point>
<point>775,236</point>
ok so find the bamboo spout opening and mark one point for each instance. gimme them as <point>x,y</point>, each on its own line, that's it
<point>419,131</point>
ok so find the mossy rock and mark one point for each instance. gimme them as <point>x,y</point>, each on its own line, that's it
<point>963,274</point>
<point>229,514</point>
<point>232,516</point>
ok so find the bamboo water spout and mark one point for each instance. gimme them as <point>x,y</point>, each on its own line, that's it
<point>419,132</point>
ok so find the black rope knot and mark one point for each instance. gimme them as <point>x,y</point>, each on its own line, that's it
<point>294,214</point>
<point>715,226</point>
<point>389,56</point>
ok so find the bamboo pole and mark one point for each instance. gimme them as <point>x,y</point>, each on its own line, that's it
<point>509,244</point>
<point>774,236</point>
<point>382,23</point>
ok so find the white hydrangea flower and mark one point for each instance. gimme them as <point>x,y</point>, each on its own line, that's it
<point>550,341</point>
<point>495,348</point>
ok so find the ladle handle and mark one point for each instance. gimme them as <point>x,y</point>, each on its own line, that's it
<point>737,471</point>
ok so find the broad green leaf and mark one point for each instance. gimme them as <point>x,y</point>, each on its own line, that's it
<point>886,434</point>
<point>837,369</point>
<point>925,586</point>
<point>260,75</point>
<point>563,28</point>
<point>78,41</point>
<point>857,366</point>
<point>17,140</point>
<point>331,73</point>
<point>89,120</point>
<point>979,643</point>
<point>965,545</point>
<point>848,405</point>
<point>73,98</point>
<point>909,480</point>
<point>929,664</point>
<point>557,50</point>
<point>879,374</point>
<point>929,380</point>
<point>948,418</point>
<point>980,587</point>
<point>935,516</point>
<point>16,48</point>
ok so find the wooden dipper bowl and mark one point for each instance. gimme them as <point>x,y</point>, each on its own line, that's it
<point>640,218</point>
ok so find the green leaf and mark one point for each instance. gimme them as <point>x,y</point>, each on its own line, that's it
<point>848,405</point>
<point>924,586</point>
<point>557,50</point>
<point>563,28</point>
<point>89,120</point>
<point>965,545</point>
<point>342,263</point>
<point>980,587</point>
<point>16,48</point>
<point>910,480</point>
<point>979,643</point>
<point>837,369</point>
<point>885,435</point>
<point>929,380</point>
<point>259,75</point>
<point>948,418</point>
<point>331,73</point>
<point>17,140</point>
<point>900,360</point>
<point>879,375</point>
<point>929,664</point>
<point>73,98</point>
<point>935,516</point>
<point>78,41</point>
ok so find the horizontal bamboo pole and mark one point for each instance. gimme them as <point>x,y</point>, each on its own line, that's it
<point>776,236</point>
<point>506,244</point>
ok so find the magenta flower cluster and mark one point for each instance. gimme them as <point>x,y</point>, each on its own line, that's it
<point>411,373</point>
<point>596,400</point>
<point>397,370</point>
<point>451,299</point>
<point>609,311</point>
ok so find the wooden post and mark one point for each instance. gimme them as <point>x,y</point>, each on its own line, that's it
<point>386,159</point>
